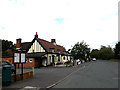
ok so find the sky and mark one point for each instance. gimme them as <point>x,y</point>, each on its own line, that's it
<point>67,21</point>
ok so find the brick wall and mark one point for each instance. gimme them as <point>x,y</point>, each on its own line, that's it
<point>28,63</point>
<point>26,75</point>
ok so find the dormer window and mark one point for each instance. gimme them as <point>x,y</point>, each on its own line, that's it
<point>52,50</point>
<point>64,52</point>
<point>58,50</point>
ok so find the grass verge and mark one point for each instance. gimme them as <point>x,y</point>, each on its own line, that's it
<point>115,60</point>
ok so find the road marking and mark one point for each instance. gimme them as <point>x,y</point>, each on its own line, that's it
<point>30,88</point>
<point>64,78</point>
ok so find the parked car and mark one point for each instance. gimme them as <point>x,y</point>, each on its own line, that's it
<point>94,59</point>
<point>78,61</point>
<point>8,63</point>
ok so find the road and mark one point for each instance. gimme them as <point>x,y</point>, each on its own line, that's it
<point>98,74</point>
<point>94,74</point>
<point>45,77</point>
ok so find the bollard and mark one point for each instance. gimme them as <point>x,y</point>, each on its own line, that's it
<point>33,71</point>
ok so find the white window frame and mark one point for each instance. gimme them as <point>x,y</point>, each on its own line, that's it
<point>30,60</point>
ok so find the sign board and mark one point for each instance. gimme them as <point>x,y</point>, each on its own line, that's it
<point>16,57</point>
<point>19,58</point>
<point>22,57</point>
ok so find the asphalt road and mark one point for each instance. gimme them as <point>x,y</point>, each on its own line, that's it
<point>98,74</point>
<point>46,76</point>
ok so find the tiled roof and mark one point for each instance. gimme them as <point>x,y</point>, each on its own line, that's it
<point>48,45</point>
<point>25,45</point>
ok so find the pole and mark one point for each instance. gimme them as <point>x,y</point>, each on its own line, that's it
<point>15,72</point>
<point>33,71</point>
<point>22,72</point>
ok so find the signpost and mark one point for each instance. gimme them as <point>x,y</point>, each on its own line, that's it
<point>19,58</point>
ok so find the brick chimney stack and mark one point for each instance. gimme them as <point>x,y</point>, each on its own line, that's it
<point>53,41</point>
<point>18,43</point>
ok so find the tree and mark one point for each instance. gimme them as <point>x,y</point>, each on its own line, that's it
<point>117,50</point>
<point>80,51</point>
<point>106,53</point>
<point>7,48</point>
<point>95,53</point>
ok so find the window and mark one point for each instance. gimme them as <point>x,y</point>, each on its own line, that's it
<point>58,50</point>
<point>55,59</point>
<point>64,58</point>
<point>50,59</point>
<point>67,57</point>
<point>58,58</point>
<point>52,50</point>
<point>30,60</point>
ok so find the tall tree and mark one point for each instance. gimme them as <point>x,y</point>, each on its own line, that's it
<point>117,50</point>
<point>80,51</point>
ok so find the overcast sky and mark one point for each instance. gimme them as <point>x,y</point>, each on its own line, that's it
<point>67,21</point>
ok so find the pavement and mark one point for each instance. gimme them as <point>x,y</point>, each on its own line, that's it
<point>45,77</point>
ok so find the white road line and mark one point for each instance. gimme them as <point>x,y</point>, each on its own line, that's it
<point>30,88</point>
<point>64,78</point>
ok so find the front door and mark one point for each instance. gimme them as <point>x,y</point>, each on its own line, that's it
<point>38,62</point>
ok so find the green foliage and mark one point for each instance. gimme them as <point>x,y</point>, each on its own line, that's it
<point>7,48</point>
<point>95,53</point>
<point>79,50</point>
<point>117,50</point>
<point>106,53</point>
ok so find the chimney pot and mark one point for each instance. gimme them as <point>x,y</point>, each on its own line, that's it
<point>36,36</point>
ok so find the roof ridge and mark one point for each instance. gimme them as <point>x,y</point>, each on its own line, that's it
<point>44,40</point>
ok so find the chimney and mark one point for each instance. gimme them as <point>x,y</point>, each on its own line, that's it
<point>36,36</point>
<point>53,41</point>
<point>18,43</point>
